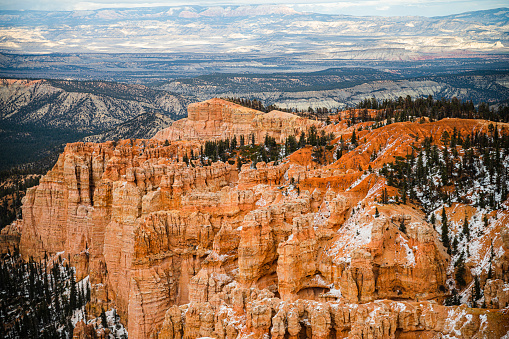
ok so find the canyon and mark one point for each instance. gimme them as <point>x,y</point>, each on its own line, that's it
<point>286,249</point>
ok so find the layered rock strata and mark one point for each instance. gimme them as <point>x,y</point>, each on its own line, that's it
<point>286,251</point>
<point>220,119</point>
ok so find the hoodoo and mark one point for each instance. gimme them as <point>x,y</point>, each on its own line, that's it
<point>320,241</point>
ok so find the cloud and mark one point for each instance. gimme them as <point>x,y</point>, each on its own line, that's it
<point>361,7</point>
<point>88,5</point>
<point>397,7</point>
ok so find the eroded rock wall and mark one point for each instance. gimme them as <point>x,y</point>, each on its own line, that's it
<point>289,250</point>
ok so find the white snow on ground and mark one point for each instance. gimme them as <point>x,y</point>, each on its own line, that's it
<point>477,249</point>
<point>477,190</point>
<point>372,315</point>
<point>484,322</point>
<point>116,328</point>
<point>78,314</point>
<point>233,317</point>
<point>479,252</point>
<point>358,181</point>
<point>317,280</point>
<point>375,189</point>
<point>410,257</point>
<point>400,307</point>
<point>335,292</point>
<point>453,317</point>
<point>352,235</point>
<point>387,147</point>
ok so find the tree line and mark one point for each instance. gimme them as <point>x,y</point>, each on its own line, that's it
<point>245,149</point>
<point>408,109</point>
<point>471,169</point>
<point>11,194</point>
<point>258,105</point>
<point>39,301</point>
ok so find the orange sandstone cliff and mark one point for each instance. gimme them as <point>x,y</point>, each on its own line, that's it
<point>284,250</point>
<point>220,119</point>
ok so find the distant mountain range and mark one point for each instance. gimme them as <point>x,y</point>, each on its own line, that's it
<point>340,87</point>
<point>38,116</point>
<point>138,69</point>
<point>144,126</point>
<point>263,30</point>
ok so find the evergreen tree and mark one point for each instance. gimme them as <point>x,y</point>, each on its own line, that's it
<point>402,226</point>
<point>477,288</point>
<point>239,163</point>
<point>353,140</point>
<point>339,153</point>
<point>445,230</point>
<point>312,137</point>
<point>104,321</point>
<point>460,271</point>
<point>73,293</point>
<point>233,144</point>
<point>455,244</point>
<point>492,255</point>
<point>466,229</point>
<point>376,213</point>
<point>302,139</point>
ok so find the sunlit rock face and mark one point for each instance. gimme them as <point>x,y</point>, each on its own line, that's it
<point>219,119</point>
<point>288,250</point>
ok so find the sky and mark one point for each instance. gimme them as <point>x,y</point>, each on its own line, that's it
<point>349,7</point>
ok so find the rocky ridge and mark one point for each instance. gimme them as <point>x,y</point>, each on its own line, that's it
<point>287,250</point>
<point>61,104</point>
<point>220,119</point>
<point>39,117</point>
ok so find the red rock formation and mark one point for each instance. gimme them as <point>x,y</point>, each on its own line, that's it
<point>10,236</point>
<point>288,250</point>
<point>220,119</point>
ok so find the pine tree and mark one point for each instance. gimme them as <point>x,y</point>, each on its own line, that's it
<point>73,293</point>
<point>455,244</point>
<point>402,226</point>
<point>354,138</point>
<point>233,144</point>
<point>302,139</point>
<point>466,229</point>
<point>339,153</point>
<point>104,321</point>
<point>445,230</point>
<point>477,288</point>
<point>376,213</point>
<point>460,271</point>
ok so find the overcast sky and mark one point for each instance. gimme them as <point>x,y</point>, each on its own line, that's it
<point>361,7</point>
